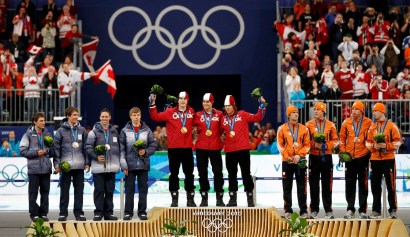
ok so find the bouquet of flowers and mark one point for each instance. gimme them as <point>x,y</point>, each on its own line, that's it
<point>345,157</point>
<point>302,163</point>
<point>100,150</point>
<point>297,226</point>
<point>156,90</point>
<point>65,166</point>
<point>379,138</point>
<point>139,144</point>
<point>319,138</point>
<point>257,93</point>
<point>172,99</point>
<point>48,141</point>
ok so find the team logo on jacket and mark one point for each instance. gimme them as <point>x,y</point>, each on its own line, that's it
<point>236,120</point>
<point>213,118</point>
<point>175,115</point>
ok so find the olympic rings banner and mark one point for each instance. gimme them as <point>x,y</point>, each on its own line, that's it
<point>267,169</point>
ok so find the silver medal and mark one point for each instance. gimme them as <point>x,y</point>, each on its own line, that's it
<point>107,147</point>
<point>75,145</point>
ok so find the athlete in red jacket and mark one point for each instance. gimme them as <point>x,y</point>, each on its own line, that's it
<point>235,125</point>
<point>179,121</point>
<point>209,145</point>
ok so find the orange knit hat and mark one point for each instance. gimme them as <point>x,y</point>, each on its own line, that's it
<point>291,109</point>
<point>321,106</point>
<point>358,105</point>
<point>379,107</point>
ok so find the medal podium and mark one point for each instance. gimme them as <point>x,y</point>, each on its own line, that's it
<point>229,222</point>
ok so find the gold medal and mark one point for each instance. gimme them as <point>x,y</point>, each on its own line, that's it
<point>184,130</point>
<point>232,133</point>
<point>208,133</point>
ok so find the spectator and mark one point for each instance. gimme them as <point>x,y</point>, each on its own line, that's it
<point>265,144</point>
<point>336,32</point>
<point>274,148</point>
<point>49,82</point>
<point>3,21</point>
<point>371,73</point>
<point>393,92</point>
<point>407,55</point>
<point>15,103</point>
<point>371,14</point>
<point>403,78</point>
<point>378,89</point>
<point>404,116</point>
<point>291,79</point>
<point>331,16</point>
<point>7,59</point>
<point>312,46</point>
<point>319,8</point>
<point>396,21</point>
<point>50,7</point>
<point>17,48</point>
<point>352,13</point>
<point>14,143</point>
<point>73,9</point>
<point>326,78</point>
<point>64,22</point>
<point>314,93</point>
<point>334,93</point>
<point>381,30</point>
<point>338,64</point>
<point>69,62</point>
<point>23,27</point>
<point>5,149</point>
<point>403,91</point>
<point>287,63</point>
<point>365,33</point>
<point>391,55</point>
<point>345,77</point>
<point>388,74</point>
<point>360,85</point>
<point>48,32</point>
<point>32,94</point>
<point>322,35</point>
<point>73,37</point>
<point>305,63</point>
<point>44,67</point>
<point>405,29</point>
<point>298,94</point>
<point>294,44</point>
<point>351,28</point>
<point>312,73</point>
<point>347,47</point>
<point>299,8</point>
<point>375,58</point>
<point>356,60</point>
<point>306,20</point>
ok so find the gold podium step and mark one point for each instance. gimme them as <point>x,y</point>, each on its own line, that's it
<point>227,222</point>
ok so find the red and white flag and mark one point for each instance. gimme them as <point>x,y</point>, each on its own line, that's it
<point>33,49</point>
<point>284,31</point>
<point>106,74</point>
<point>89,51</point>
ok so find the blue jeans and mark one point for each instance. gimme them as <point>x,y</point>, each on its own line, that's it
<point>63,105</point>
<point>32,106</point>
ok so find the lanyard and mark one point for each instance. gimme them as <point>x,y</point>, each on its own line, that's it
<point>293,134</point>
<point>208,121</point>
<point>136,135</point>
<point>107,136</point>
<point>75,134</point>
<point>231,123</point>
<point>183,120</point>
<point>40,140</point>
<point>357,129</point>
<point>320,129</point>
<point>383,127</point>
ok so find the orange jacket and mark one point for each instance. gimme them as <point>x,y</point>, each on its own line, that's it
<point>329,131</point>
<point>347,136</point>
<point>391,136</point>
<point>8,84</point>
<point>286,144</point>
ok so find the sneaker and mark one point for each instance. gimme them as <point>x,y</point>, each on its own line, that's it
<point>127,217</point>
<point>376,215</point>
<point>313,215</point>
<point>304,215</point>
<point>62,218</point>
<point>329,215</point>
<point>34,218</point>
<point>97,218</point>
<point>45,218</point>
<point>110,218</point>
<point>349,215</point>
<point>288,215</point>
<point>80,218</point>
<point>393,215</point>
<point>363,215</point>
<point>143,217</point>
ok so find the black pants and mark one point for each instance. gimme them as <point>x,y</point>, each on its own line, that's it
<point>78,183</point>
<point>104,185</point>
<point>386,168</point>
<point>202,165</point>
<point>36,182</point>
<point>288,171</point>
<point>142,176</point>
<point>243,158</point>
<point>320,171</point>
<point>178,156</point>
<point>357,171</point>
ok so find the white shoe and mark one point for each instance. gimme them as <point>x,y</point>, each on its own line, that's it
<point>349,215</point>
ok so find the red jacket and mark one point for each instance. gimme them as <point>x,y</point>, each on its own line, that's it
<point>241,139</point>
<point>380,92</point>
<point>345,82</point>
<point>205,142</point>
<point>176,139</point>
<point>68,37</point>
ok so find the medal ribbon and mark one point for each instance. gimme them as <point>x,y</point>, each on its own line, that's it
<point>136,135</point>
<point>231,123</point>
<point>75,134</point>
<point>107,136</point>
<point>321,130</point>
<point>293,134</point>
<point>183,120</point>
<point>40,140</point>
<point>383,127</point>
<point>208,121</point>
<point>357,129</point>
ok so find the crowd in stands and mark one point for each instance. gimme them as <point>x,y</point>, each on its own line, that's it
<point>55,30</point>
<point>347,53</point>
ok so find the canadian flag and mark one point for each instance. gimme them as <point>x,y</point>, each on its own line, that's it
<point>89,51</point>
<point>284,31</point>
<point>106,74</point>
<point>33,49</point>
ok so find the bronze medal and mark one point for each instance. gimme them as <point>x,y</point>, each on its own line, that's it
<point>208,133</point>
<point>184,130</point>
<point>232,133</point>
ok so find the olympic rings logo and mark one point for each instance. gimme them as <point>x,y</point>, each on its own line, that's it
<point>176,46</point>
<point>217,225</point>
<point>11,173</point>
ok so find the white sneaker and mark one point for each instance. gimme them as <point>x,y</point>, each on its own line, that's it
<point>313,215</point>
<point>363,215</point>
<point>288,215</point>
<point>393,215</point>
<point>376,215</point>
<point>349,215</point>
<point>329,215</point>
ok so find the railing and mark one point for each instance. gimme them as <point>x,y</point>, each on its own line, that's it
<point>16,108</point>
<point>397,111</point>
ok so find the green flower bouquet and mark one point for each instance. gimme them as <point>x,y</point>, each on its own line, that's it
<point>345,157</point>
<point>65,166</point>
<point>139,144</point>
<point>297,226</point>
<point>172,99</point>
<point>48,141</point>
<point>101,150</point>
<point>157,90</point>
<point>257,93</point>
<point>379,138</point>
<point>319,138</point>
<point>175,228</point>
<point>302,163</point>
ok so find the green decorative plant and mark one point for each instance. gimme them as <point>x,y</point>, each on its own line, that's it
<point>319,137</point>
<point>379,138</point>
<point>257,93</point>
<point>157,90</point>
<point>139,144</point>
<point>175,228</point>
<point>48,141</point>
<point>302,163</point>
<point>345,157</point>
<point>40,230</point>
<point>65,166</point>
<point>100,150</point>
<point>297,226</point>
<point>172,99</point>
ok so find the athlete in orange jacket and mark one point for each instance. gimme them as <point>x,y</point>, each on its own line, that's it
<point>320,163</point>
<point>293,144</point>
<point>353,135</point>
<point>382,160</point>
